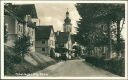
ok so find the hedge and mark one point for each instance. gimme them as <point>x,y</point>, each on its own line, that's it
<point>113,65</point>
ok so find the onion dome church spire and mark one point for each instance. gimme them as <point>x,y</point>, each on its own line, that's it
<point>67,23</point>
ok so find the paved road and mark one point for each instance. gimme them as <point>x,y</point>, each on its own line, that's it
<point>74,68</point>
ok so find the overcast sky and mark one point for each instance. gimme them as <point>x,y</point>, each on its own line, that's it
<point>54,14</point>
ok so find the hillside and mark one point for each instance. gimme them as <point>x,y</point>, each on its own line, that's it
<point>32,62</point>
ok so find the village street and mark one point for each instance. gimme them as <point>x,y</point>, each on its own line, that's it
<point>40,44</point>
<point>74,68</point>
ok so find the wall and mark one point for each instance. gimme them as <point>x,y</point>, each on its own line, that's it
<point>32,38</point>
<point>14,28</point>
<point>10,23</point>
<point>39,46</point>
<point>68,45</point>
<point>51,41</point>
<point>30,31</point>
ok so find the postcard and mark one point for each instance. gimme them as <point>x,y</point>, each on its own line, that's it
<point>64,40</point>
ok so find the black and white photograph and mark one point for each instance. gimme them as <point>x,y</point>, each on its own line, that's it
<point>64,39</point>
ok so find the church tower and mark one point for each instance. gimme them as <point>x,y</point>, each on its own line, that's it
<point>67,26</point>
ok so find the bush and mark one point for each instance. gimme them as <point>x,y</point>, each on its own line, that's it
<point>8,65</point>
<point>117,67</point>
<point>23,68</point>
<point>113,65</point>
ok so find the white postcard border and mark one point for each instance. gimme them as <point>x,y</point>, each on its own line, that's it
<point>31,2</point>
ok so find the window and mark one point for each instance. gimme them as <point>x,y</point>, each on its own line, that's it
<point>6,27</point>
<point>19,27</point>
<point>43,42</point>
<point>43,49</point>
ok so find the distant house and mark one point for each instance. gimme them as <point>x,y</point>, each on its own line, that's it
<point>63,40</point>
<point>18,21</point>
<point>45,39</point>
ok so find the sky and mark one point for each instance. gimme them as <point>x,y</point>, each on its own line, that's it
<point>54,14</point>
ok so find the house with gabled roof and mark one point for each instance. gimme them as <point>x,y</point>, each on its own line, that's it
<point>18,21</point>
<point>45,39</point>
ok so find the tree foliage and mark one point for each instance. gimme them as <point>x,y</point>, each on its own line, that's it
<point>94,25</point>
<point>77,49</point>
<point>22,45</point>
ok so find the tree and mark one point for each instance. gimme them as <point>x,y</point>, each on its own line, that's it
<point>92,14</point>
<point>22,45</point>
<point>116,13</point>
<point>87,30</point>
<point>77,50</point>
<point>119,13</point>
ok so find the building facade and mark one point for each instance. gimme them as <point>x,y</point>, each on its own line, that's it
<point>45,39</point>
<point>18,21</point>
<point>30,31</point>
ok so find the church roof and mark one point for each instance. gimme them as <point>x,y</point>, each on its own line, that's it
<point>43,32</point>
<point>62,37</point>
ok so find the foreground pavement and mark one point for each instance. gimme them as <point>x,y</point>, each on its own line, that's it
<point>73,68</point>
